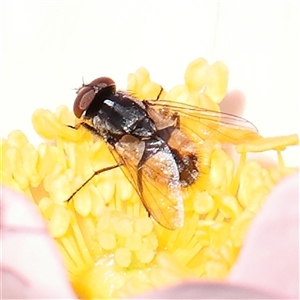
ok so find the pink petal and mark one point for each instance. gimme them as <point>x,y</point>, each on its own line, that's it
<point>269,259</point>
<point>207,290</point>
<point>31,266</point>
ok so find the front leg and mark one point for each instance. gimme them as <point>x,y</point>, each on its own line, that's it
<point>90,128</point>
<point>86,126</point>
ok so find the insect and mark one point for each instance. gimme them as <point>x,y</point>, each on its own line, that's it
<point>154,142</point>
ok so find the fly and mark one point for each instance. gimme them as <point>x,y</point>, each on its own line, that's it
<point>154,142</point>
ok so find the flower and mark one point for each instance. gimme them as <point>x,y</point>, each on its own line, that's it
<point>104,233</point>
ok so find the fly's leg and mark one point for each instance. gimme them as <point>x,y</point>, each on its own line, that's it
<point>89,179</point>
<point>85,125</point>
<point>160,92</point>
<point>93,131</point>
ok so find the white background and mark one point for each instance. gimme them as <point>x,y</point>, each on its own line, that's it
<point>48,46</point>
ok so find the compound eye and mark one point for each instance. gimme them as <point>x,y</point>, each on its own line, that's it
<point>83,100</point>
<point>87,92</point>
<point>102,82</point>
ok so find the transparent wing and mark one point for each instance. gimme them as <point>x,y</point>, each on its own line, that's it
<point>198,122</point>
<point>156,181</point>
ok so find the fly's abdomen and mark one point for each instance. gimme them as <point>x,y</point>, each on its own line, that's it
<point>184,153</point>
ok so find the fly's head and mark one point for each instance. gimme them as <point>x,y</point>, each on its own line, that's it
<point>90,96</point>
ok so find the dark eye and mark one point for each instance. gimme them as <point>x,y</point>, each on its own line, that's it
<point>87,92</point>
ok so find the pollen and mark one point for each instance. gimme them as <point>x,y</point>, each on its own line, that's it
<point>111,247</point>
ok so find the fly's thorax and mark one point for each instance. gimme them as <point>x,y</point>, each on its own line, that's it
<point>120,115</point>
